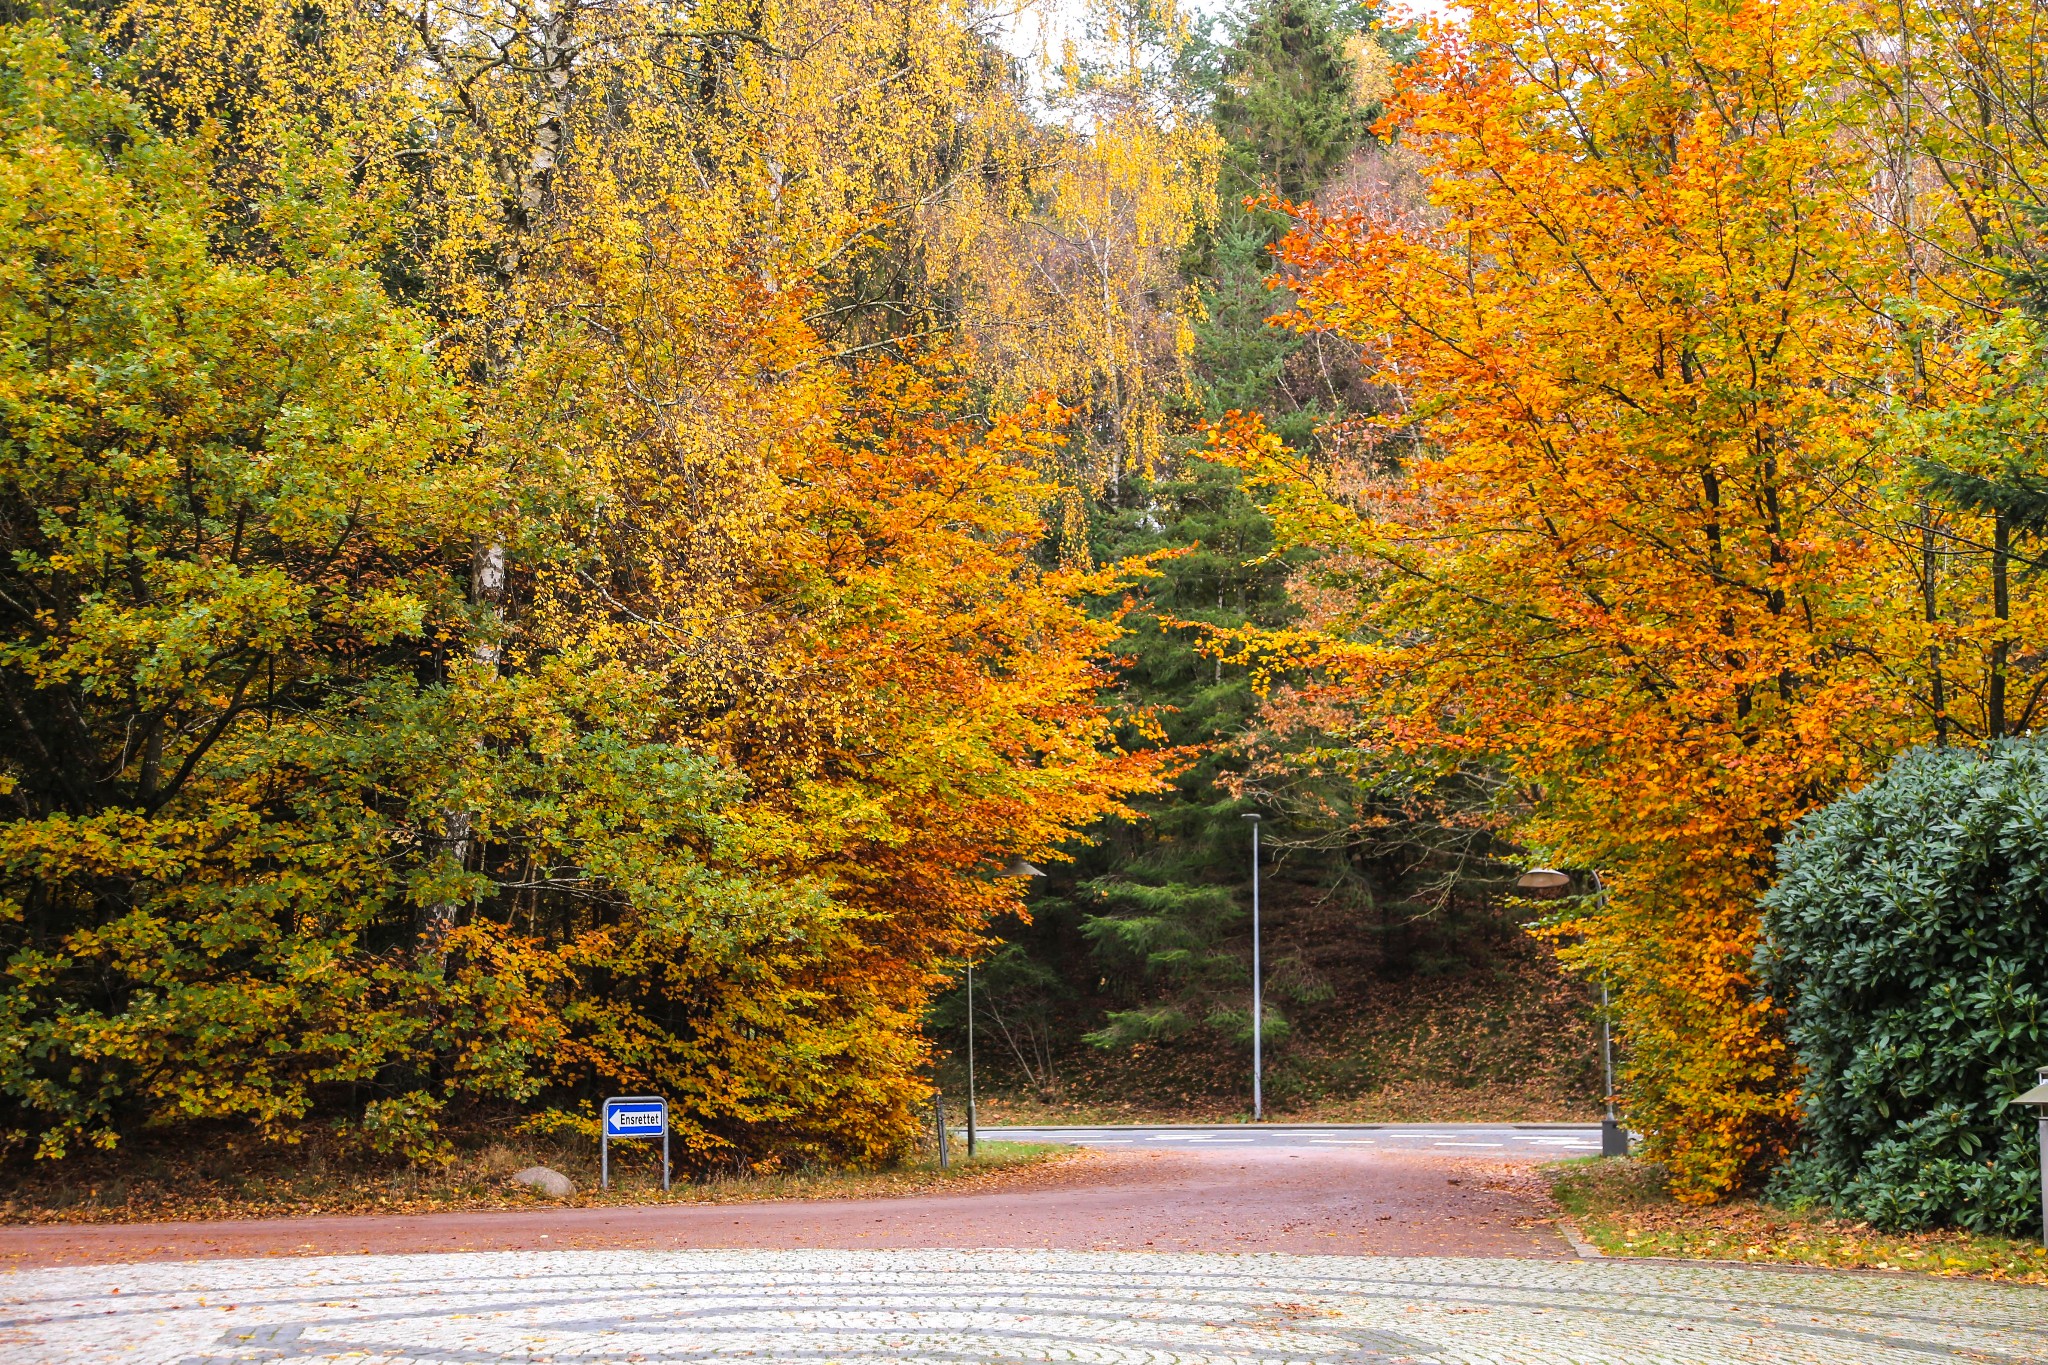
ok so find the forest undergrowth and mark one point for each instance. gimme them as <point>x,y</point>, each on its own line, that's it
<point>1516,1040</point>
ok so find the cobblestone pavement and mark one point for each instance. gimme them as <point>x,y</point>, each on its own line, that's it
<point>958,1308</point>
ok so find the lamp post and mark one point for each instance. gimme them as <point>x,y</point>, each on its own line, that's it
<point>1017,868</point>
<point>1258,1000</point>
<point>2038,1098</point>
<point>1613,1137</point>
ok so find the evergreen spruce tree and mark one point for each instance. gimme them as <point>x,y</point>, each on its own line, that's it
<point>1149,927</point>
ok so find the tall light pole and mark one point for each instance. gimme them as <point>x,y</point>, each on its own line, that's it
<point>970,1059</point>
<point>1017,868</point>
<point>1258,998</point>
<point>1613,1137</point>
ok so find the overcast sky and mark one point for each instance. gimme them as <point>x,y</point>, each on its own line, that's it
<point>1030,23</point>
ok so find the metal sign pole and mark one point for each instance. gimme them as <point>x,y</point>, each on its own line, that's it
<point>939,1117</point>
<point>638,1116</point>
<point>970,1061</point>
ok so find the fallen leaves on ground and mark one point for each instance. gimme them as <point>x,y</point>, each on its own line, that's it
<point>1623,1209</point>
<point>998,1166</point>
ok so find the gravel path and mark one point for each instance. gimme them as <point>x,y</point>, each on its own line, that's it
<point>960,1308</point>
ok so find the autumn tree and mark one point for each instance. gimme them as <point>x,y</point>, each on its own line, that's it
<point>648,648</point>
<point>1608,550</point>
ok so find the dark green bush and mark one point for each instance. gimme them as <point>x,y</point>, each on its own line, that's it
<point>1905,938</point>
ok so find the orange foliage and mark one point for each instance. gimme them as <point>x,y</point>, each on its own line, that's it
<point>1605,543</point>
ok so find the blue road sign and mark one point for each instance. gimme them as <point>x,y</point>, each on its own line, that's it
<point>636,1118</point>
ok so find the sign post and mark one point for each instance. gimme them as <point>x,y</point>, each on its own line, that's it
<point>632,1116</point>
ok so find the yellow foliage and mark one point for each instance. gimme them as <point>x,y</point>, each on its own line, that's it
<point>600,456</point>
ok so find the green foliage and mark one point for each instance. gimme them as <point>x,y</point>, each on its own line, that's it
<point>1290,106</point>
<point>1903,937</point>
<point>1160,903</point>
<point>1169,938</point>
<point>1984,457</point>
<point>1286,100</point>
<point>222,536</point>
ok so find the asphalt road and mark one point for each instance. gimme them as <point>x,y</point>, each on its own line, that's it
<point>1546,1141</point>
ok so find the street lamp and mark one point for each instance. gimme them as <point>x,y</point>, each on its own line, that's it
<point>1258,1002</point>
<point>2038,1097</point>
<point>1613,1137</point>
<point>1017,867</point>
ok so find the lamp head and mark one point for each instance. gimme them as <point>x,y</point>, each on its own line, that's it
<point>1019,868</point>
<point>1543,879</point>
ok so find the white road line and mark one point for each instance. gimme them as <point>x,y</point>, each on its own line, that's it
<point>1469,1144</point>
<point>1347,1142</point>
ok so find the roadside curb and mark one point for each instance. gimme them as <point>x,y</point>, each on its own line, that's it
<point>1582,1248</point>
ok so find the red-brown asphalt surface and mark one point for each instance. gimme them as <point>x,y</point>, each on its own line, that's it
<point>1335,1202</point>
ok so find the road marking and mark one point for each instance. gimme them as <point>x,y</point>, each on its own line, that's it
<point>1348,1142</point>
<point>1470,1144</point>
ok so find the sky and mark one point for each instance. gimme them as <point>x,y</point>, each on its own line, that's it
<point>1029,24</point>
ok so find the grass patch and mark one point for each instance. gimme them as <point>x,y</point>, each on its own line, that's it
<point>269,1182</point>
<point>1623,1208</point>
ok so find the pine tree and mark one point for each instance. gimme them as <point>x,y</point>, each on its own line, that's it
<point>1149,929</point>
<point>1286,98</point>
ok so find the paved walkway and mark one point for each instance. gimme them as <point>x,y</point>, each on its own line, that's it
<point>960,1308</point>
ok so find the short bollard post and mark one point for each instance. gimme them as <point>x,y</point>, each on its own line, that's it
<point>1613,1137</point>
<point>2038,1098</point>
<point>939,1118</point>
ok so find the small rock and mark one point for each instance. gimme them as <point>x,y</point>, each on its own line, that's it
<point>553,1184</point>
